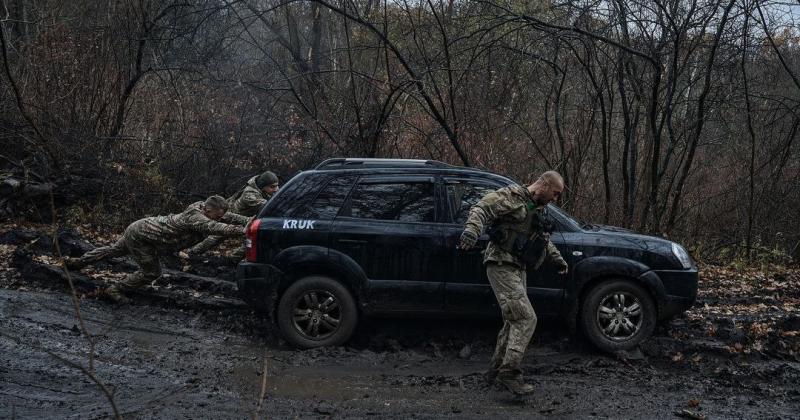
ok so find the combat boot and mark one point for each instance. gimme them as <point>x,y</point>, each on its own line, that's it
<point>114,294</point>
<point>73,264</point>
<point>513,382</point>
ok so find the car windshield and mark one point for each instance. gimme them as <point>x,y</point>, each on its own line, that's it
<point>553,209</point>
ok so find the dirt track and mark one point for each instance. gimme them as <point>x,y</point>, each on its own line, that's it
<point>179,353</point>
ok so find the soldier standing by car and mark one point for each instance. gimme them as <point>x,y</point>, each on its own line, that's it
<point>146,238</point>
<point>516,222</point>
<point>246,202</point>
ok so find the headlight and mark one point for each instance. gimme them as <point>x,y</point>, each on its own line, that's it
<point>681,255</point>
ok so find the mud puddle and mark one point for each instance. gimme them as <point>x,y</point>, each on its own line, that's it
<point>187,348</point>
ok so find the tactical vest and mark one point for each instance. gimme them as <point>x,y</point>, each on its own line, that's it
<point>524,238</point>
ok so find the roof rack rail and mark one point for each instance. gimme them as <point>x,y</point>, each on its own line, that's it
<point>342,163</point>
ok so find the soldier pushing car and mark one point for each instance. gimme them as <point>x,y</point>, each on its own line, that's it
<point>246,202</point>
<point>145,239</point>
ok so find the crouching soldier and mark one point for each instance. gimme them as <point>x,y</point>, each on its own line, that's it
<point>246,202</point>
<point>517,239</point>
<point>146,238</point>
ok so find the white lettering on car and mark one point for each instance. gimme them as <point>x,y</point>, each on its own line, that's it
<point>298,224</point>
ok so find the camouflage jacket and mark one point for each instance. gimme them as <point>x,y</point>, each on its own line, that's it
<point>182,230</point>
<point>249,200</point>
<point>506,205</point>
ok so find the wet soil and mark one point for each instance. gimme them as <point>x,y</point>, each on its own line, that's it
<point>187,348</point>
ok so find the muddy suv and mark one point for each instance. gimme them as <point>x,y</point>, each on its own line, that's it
<point>363,237</point>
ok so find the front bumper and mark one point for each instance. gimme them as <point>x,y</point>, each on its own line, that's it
<point>680,287</point>
<point>259,285</point>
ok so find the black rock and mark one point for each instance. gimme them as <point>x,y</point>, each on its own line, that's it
<point>72,244</point>
<point>17,236</point>
<point>52,276</point>
<point>737,335</point>
<point>325,408</point>
<point>725,327</point>
<point>21,257</point>
<point>790,323</point>
<point>42,245</point>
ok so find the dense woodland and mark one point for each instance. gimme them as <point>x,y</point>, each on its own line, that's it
<point>673,117</point>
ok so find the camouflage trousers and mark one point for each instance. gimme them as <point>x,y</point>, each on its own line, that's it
<point>144,254</point>
<point>509,284</point>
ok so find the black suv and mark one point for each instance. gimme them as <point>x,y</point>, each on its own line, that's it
<point>357,237</point>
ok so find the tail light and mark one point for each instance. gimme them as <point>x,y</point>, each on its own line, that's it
<point>251,240</point>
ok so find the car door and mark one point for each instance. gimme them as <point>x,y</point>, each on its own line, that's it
<point>389,227</point>
<point>546,287</point>
<point>568,238</point>
<point>467,290</point>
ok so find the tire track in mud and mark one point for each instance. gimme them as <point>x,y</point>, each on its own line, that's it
<point>173,363</point>
<point>138,359</point>
<point>185,350</point>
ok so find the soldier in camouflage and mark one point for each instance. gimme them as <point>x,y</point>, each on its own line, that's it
<point>246,202</point>
<point>144,239</point>
<point>517,240</point>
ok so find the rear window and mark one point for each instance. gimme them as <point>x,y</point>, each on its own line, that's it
<point>326,204</point>
<point>294,196</point>
<point>407,202</point>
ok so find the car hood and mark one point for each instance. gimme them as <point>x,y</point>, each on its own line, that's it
<point>626,238</point>
<point>609,228</point>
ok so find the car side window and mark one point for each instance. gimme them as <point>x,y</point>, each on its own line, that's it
<point>462,195</point>
<point>407,202</point>
<point>327,203</point>
<point>293,196</point>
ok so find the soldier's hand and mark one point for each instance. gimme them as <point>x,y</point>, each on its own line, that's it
<point>468,240</point>
<point>563,267</point>
<point>183,255</point>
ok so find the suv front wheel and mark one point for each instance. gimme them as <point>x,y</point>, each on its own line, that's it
<point>317,311</point>
<point>617,315</point>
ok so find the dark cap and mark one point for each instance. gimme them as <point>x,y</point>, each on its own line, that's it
<point>265,179</point>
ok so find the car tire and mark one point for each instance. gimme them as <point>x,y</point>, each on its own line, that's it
<point>316,312</point>
<point>617,315</point>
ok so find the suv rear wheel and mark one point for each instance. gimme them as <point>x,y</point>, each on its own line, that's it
<point>317,311</point>
<point>617,315</point>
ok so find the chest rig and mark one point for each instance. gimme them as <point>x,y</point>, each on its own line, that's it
<point>525,238</point>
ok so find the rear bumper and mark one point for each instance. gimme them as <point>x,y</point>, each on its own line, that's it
<point>258,285</point>
<point>680,287</point>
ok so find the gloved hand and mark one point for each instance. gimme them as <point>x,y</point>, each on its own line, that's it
<point>563,267</point>
<point>468,240</point>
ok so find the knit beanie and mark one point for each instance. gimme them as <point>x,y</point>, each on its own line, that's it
<point>265,179</point>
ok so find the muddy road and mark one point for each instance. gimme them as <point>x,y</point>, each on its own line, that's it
<point>189,349</point>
